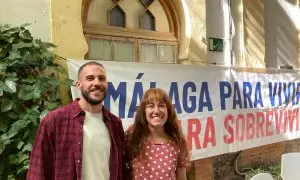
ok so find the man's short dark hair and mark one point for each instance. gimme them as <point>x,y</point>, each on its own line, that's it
<point>87,64</point>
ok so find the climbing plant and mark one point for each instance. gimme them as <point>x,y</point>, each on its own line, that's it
<point>28,91</point>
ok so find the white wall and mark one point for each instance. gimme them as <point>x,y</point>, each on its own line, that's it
<point>238,35</point>
<point>281,33</point>
<point>217,18</point>
<point>35,12</point>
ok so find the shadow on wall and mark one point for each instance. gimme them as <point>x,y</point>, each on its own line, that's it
<point>198,54</point>
<point>254,33</point>
<point>281,35</point>
<point>197,45</point>
<point>269,34</point>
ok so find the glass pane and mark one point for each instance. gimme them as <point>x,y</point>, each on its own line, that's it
<point>161,25</point>
<point>146,2</point>
<point>117,17</point>
<point>167,53</point>
<point>124,51</point>
<point>100,49</point>
<point>147,21</point>
<point>97,13</point>
<point>148,53</point>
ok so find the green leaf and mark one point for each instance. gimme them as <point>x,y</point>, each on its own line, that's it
<point>14,55</point>
<point>23,61</point>
<point>11,85</point>
<point>29,134</point>
<point>11,177</point>
<point>13,159</point>
<point>25,24</point>
<point>4,87</point>
<point>27,147</point>
<point>6,105</point>
<point>68,82</point>
<point>26,163</point>
<point>11,31</point>
<point>26,35</point>
<point>12,74</point>
<point>29,80</point>
<point>18,125</point>
<point>49,45</point>
<point>24,168</point>
<point>2,165</point>
<point>22,45</point>
<point>26,93</point>
<point>48,55</point>
<point>2,147</point>
<point>3,125</point>
<point>35,108</point>
<point>44,113</point>
<point>5,138</point>
<point>51,105</point>
<point>12,78</point>
<point>32,118</point>
<point>3,67</point>
<point>37,89</point>
<point>20,144</point>
<point>54,82</point>
<point>61,69</point>
<point>15,128</point>
<point>23,157</point>
<point>13,115</point>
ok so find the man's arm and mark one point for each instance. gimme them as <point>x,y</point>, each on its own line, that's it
<point>41,157</point>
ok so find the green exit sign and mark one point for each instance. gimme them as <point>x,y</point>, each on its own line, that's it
<point>216,44</point>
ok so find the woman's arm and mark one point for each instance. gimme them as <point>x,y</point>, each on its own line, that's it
<point>181,173</point>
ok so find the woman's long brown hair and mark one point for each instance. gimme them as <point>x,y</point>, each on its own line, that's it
<point>140,130</point>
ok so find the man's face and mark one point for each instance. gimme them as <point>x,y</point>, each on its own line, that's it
<point>93,84</point>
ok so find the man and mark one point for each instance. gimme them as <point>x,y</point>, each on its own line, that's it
<point>82,140</point>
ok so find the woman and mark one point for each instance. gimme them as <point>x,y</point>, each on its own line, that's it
<point>155,146</point>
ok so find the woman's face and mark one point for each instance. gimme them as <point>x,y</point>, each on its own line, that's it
<point>156,113</point>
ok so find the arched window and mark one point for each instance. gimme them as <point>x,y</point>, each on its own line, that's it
<point>131,30</point>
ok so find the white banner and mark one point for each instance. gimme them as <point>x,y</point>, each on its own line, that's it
<point>220,109</point>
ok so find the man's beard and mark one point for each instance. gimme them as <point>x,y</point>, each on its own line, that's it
<point>87,97</point>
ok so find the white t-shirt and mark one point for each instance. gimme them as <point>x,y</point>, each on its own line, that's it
<point>96,148</point>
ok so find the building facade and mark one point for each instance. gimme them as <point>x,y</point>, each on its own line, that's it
<point>257,35</point>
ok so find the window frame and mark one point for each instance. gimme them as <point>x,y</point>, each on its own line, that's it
<point>94,30</point>
<point>109,18</point>
<point>141,19</point>
<point>143,41</point>
<point>136,44</point>
<point>113,38</point>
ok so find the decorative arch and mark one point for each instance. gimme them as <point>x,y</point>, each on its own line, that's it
<point>168,6</point>
<point>159,39</point>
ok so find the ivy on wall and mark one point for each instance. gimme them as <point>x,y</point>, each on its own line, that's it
<point>28,91</point>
